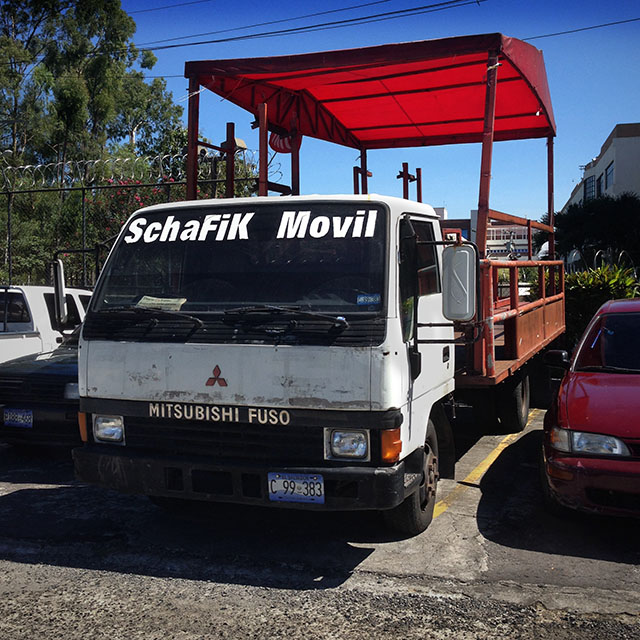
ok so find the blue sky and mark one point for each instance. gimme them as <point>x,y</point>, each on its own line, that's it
<point>594,79</point>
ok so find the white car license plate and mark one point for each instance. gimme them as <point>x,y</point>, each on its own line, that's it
<point>18,418</point>
<point>296,487</point>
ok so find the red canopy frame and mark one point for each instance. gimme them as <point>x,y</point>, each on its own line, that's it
<point>480,88</point>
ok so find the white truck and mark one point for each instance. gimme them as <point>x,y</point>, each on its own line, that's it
<point>27,319</point>
<point>265,351</point>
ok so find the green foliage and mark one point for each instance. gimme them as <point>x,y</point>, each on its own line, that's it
<point>585,292</point>
<point>69,84</point>
<point>601,224</point>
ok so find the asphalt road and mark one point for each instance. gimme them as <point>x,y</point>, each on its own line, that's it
<point>81,562</point>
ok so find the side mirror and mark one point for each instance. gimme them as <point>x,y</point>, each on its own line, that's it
<point>557,358</point>
<point>59,295</point>
<point>459,282</point>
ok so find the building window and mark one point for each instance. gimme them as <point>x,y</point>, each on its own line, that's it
<point>589,188</point>
<point>599,185</point>
<point>608,176</point>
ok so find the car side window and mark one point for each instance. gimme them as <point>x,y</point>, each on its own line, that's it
<point>14,312</point>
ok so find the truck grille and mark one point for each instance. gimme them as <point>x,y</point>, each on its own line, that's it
<point>33,389</point>
<point>254,444</point>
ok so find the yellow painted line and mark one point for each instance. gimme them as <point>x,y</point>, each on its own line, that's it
<point>477,473</point>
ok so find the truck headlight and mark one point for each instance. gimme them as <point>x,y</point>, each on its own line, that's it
<point>108,428</point>
<point>588,443</point>
<point>347,443</point>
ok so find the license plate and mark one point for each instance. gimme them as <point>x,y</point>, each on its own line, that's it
<point>296,487</point>
<point>18,418</point>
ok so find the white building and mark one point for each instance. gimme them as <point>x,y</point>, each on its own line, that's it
<point>615,170</point>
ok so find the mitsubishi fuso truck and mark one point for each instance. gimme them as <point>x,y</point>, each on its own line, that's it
<point>308,351</point>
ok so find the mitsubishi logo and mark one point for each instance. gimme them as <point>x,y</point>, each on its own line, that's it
<point>211,382</point>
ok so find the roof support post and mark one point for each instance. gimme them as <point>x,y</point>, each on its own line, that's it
<point>263,155</point>
<point>295,156</point>
<point>364,173</point>
<point>193,115</point>
<point>230,160</point>
<point>419,184</point>
<point>487,152</point>
<point>550,207</point>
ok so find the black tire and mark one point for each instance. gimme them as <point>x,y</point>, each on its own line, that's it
<point>513,404</point>
<point>415,513</point>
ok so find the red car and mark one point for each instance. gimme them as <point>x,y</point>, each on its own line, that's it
<point>591,448</point>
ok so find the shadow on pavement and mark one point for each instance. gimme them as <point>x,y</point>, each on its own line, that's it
<point>47,517</point>
<point>511,513</point>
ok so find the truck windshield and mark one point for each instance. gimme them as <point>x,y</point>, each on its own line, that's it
<point>323,256</point>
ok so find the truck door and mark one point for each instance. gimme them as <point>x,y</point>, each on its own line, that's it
<point>434,374</point>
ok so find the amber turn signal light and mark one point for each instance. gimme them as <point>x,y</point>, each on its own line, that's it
<point>391,445</point>
<point>82,424</point>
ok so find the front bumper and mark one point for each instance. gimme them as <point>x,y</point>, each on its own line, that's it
<point>598,485</point>
<point>53,425</point>
<point>346,488</point>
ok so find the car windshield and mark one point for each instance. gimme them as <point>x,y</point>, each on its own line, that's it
<point>325,257</point>
<point>613,344</point>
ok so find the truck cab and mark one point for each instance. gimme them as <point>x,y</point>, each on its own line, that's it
<point>27,319</point>
<point>264,350</point>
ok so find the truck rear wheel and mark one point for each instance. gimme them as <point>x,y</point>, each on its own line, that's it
<point>415,513</point>
<point>513,404</point>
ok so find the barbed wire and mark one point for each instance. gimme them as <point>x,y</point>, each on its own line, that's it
<point>91,173</point>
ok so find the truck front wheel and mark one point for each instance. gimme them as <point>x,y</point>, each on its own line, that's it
<point>415,513</point>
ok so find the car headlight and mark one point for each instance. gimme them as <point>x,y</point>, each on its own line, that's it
<point>108,428</point>
<point>71,391</point>
<point>347,443</point>
<point>588,443</point>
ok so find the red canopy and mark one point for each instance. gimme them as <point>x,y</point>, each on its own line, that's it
<point>397,95</point>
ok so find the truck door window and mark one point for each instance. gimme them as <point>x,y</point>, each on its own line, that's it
<point>72,310</point>
<point>428,277</point>
<point>407,283</point>
<point>428,280</point>
<point>17,316</point>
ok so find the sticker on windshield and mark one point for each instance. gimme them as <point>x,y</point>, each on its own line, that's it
<point>369,298</point>
<point>167,304</point>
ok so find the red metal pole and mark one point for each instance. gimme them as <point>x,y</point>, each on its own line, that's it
<point>295,157</point>
<point>419,184</point>
<point>364,173</point>
<point>193,113</point>
<point>487,152</point>
<point>264,151</point>
<point>230,151</point>
<point>552,239</point>
<point>405,180</point>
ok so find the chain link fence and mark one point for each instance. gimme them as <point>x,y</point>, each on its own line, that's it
<point>48,208</point>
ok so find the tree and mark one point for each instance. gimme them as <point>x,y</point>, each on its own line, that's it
<point>608,224</point>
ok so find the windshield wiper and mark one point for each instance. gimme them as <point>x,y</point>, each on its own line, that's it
<point>339,322</point>
<point>154,312</point>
